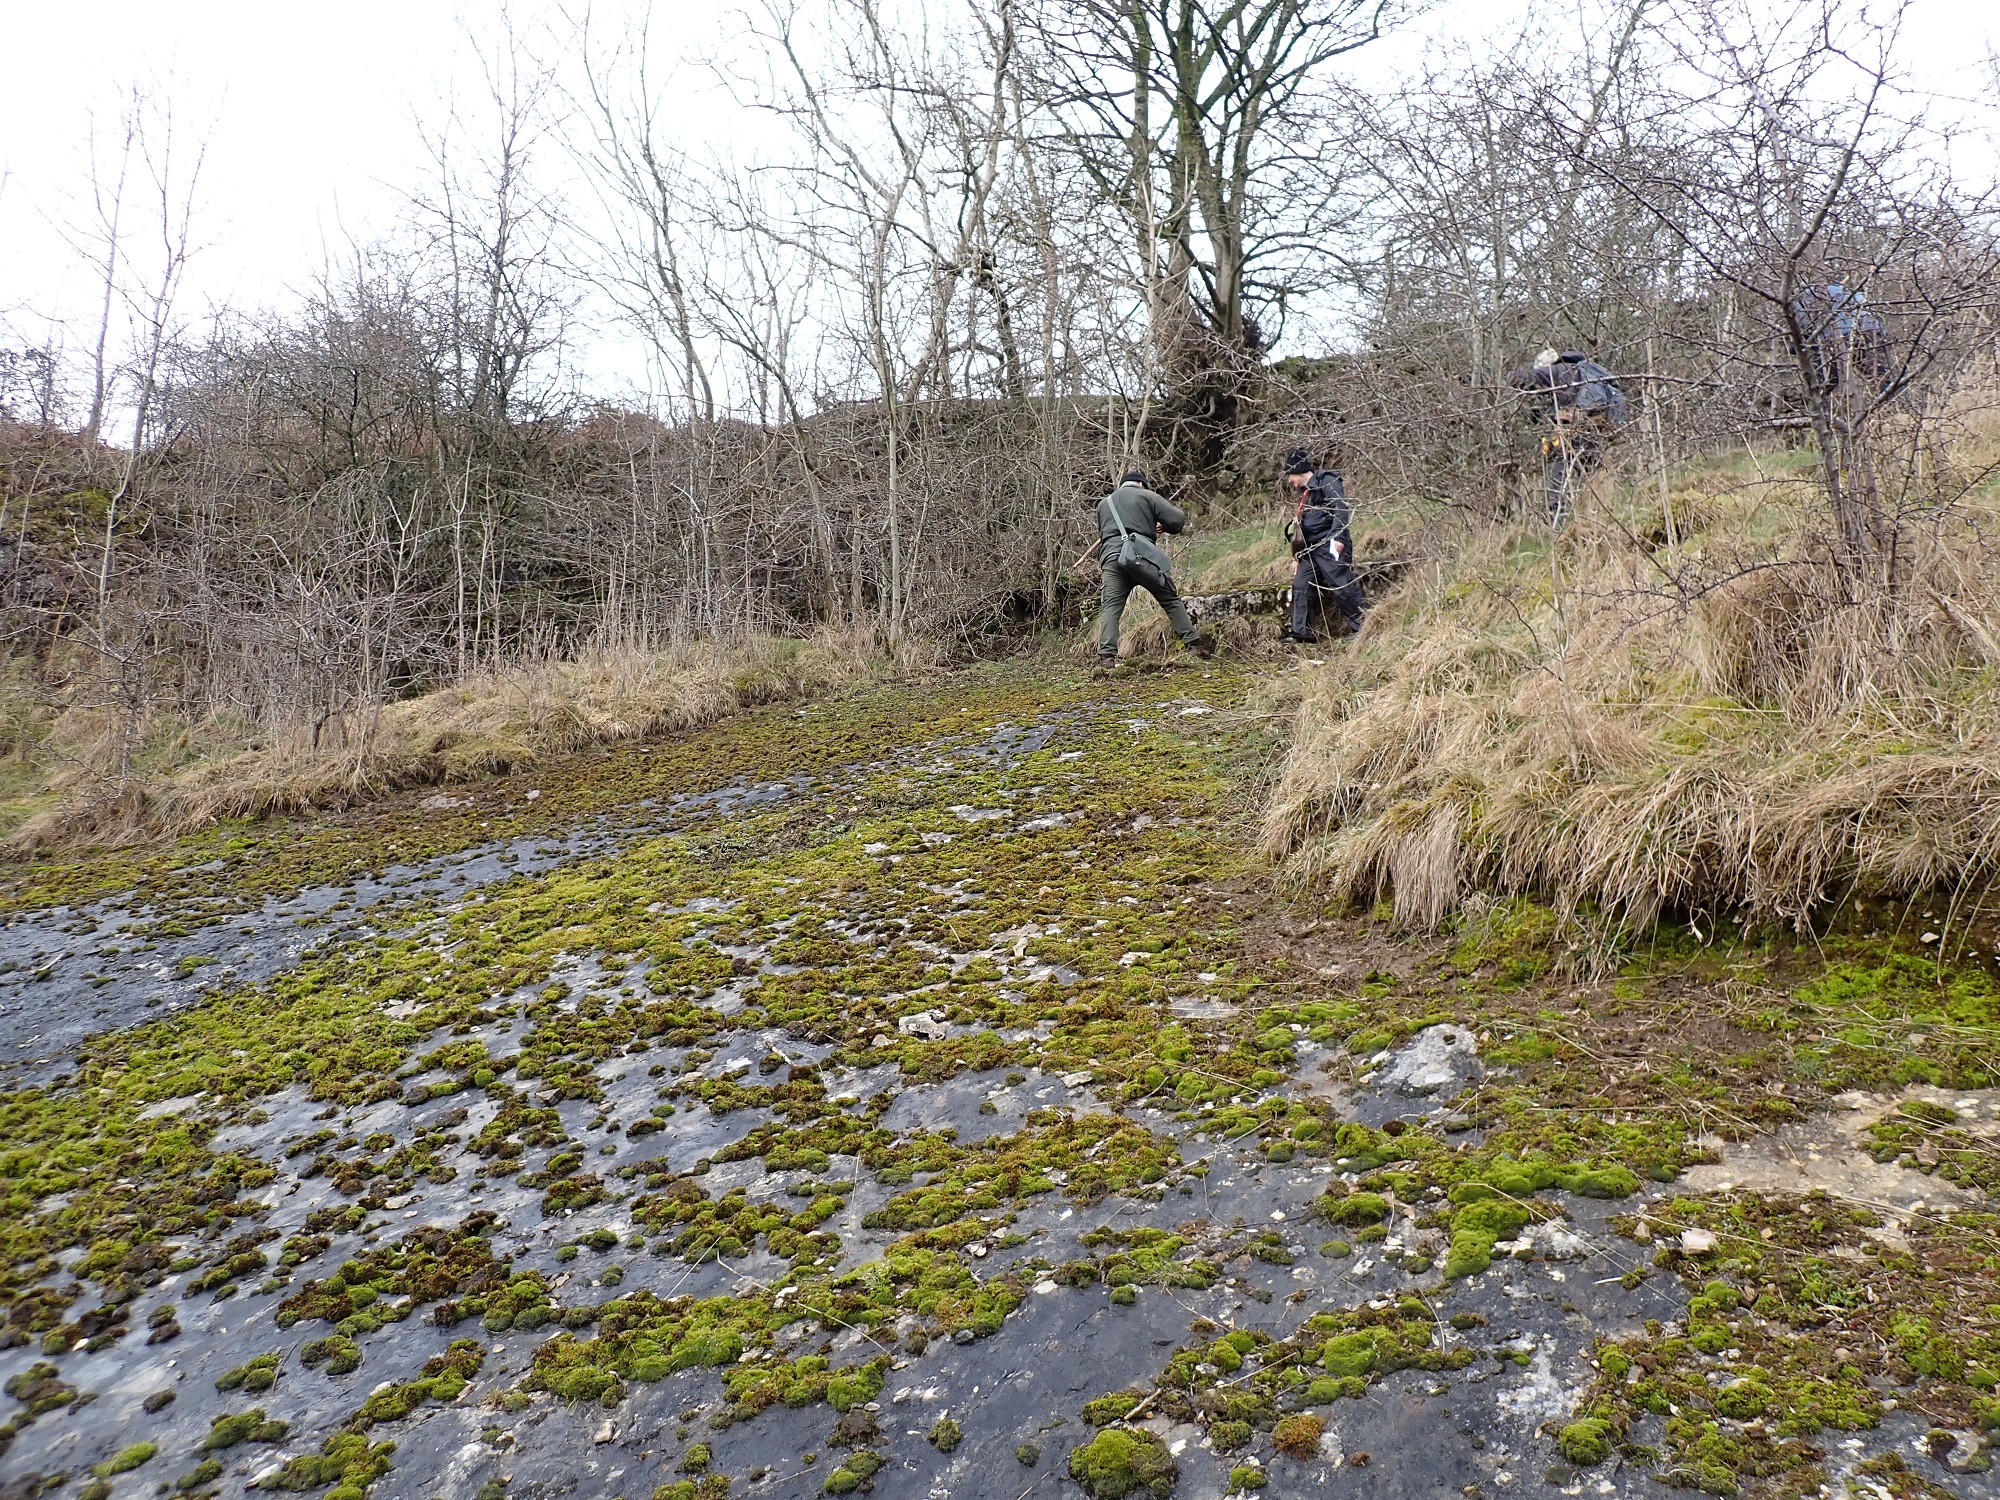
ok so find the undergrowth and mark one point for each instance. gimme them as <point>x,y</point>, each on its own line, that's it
<point>82,776</point>
<point>1627,722</point>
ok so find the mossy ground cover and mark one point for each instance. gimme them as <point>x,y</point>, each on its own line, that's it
<point>1012,880</point>
<point>1805,1320</point>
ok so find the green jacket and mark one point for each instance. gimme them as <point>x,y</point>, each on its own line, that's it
<point>1140,509</point>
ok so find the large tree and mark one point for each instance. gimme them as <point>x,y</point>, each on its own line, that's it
<point>1189,116</point>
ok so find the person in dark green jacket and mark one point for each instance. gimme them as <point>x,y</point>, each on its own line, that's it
<point>1130,521</point>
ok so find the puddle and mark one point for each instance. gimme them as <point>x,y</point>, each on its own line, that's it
<point>1828,1153</point>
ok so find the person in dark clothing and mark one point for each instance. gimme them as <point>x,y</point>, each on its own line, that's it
<point>1845,343</point>
<point>1130,521</point>
<point>1585,406</point>
<point>1323,572</point>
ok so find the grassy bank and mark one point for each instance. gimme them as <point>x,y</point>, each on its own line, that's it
<point>1626,720</point>
<point>190,776</point>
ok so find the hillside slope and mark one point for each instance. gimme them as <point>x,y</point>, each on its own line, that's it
<point>1627,720</point>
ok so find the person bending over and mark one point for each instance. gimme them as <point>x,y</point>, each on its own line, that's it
<point>1585,406</point>
<point>1130,522</point>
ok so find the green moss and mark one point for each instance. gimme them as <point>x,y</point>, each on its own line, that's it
<point>855,1471</point>
<point>346,1460</point>
<point>260,1374</point>
<point>1586,1442</point>
<point>1476,1226</point>
<point>126,1460</point>
<point>1354,1208</point>
<point>1103,1411</point>
<point>252,1426</point>
<point>1119,1462</point>
<point>1246,1477</point>
<point>1350,1354</point>
<point>1744,1401</point>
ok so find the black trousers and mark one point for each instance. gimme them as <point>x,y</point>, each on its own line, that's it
<point>1327,581</point>
<point>1119,581</point>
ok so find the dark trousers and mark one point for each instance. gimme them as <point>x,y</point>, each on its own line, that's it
<point>1570,455</point>
<point>1119,581</point>
<point>1328,581</point>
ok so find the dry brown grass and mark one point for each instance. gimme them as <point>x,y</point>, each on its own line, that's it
<point>498,721</point>
<point>1567,725</point>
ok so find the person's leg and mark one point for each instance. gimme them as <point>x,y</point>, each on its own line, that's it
<point>1346,592</point>
<point>1111,596</point>
<point>1586,453</point>
<point>1161,587</point>
<point>1325,574</point>
<point>1302,598</point>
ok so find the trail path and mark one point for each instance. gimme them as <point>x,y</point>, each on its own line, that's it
<point>865,1101</point>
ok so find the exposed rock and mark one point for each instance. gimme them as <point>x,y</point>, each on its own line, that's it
<point>1438,1062</point>
<point>925,1024</point>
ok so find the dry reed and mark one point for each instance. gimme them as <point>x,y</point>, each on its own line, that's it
<point>497,721</point>
<point>1571,727</point>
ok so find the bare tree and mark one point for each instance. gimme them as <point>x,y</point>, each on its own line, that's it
<point>1187,115</point>
<point>1847,258</point>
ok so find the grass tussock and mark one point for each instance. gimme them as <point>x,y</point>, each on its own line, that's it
<point>1604,720</point>
<point>498,721</point>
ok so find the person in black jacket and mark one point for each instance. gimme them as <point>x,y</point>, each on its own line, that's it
<point>1323,573</point>
<point>1585,406</point>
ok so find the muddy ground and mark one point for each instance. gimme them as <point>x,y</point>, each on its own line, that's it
<point>931,1094</point>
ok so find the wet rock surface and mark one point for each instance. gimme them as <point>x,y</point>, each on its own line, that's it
<point>901,1129</point>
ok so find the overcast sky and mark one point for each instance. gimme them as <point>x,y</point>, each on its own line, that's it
<point>309,115</point>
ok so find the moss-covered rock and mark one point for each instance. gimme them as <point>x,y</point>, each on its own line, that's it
<point>1121,1461</point>
<point>1586,1441</point>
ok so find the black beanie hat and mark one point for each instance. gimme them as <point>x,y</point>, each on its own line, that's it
<point>1134,476</point>
<point>1298,463</point>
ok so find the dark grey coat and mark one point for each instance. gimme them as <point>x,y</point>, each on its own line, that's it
<point>1141,510</point>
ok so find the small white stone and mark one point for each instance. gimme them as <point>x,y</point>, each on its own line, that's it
<point>1696,1242</point>
<point>534,794</point>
